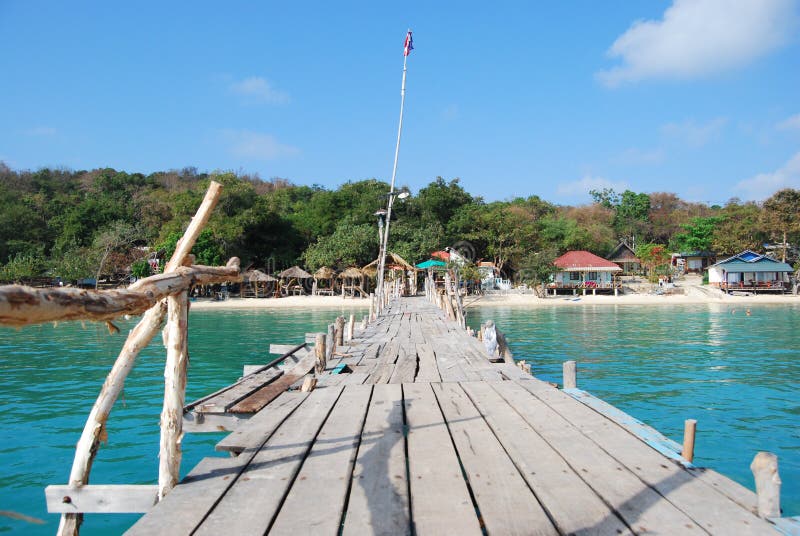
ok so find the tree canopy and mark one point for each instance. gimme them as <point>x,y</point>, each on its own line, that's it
<point>80,224</point>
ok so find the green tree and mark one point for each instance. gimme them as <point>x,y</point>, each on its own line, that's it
<point>536,269</point>
<point>698,234</point>
<point>782,216</point>
<point>655,257</point>
<point>349,245</point>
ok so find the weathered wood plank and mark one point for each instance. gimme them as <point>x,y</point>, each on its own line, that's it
<point>213,422</point>
<point>250,505</point>
<point>428,371</point>
<point>317,497</point>
<point>406,367</point>
<point>506,504</point>
<point>440,500</point>
<point>100,499</point>
<point>378,502</point>
<point>573,505</point>
<point>262,424</point>
<point>642,508</point>
<point>715,512</point>
<point>260,398</point>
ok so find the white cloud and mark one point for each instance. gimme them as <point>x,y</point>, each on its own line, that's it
<point>259,89</point>
<point>41,131</point>
<point>581,187</point>
<point>635,157</point>
<point>696,38</point>
<point>790,123</point>
<point>764,185</point>
<point>696,134</point>
<point>249,144</point>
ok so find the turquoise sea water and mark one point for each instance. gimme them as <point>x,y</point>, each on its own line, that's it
<point>737,375</point>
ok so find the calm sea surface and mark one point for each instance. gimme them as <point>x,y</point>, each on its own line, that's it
<point>737,375</point>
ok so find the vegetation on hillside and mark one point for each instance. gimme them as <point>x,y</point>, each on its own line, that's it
<point>75,224</point>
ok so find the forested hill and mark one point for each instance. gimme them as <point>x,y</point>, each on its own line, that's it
<point>69,223</point>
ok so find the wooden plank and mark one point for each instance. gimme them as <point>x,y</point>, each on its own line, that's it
<point>317,497</point>
<point>250,505</point>
<point>262,424</point>
<point>378,501</point>
<point>506,504</point>
<point>713,511</point>
<point>406,367</point>
<point>440,499</point>
<point>208,401</point>
<point>267,394</point>
<point>100,499</point>
<point>240,391</point>
<point>652,437</point>
<point>428,371</point>
<point>642,508</point>
<point>382,373</point>
<point>281,349</point>
<point>572,504</point>
<point>213,422</point>
<point>185,507</point>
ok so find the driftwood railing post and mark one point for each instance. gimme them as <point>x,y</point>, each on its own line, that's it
<point>351,328</point>
<point>139,337</point>
<point>689,430</point>
<point>570,375</point>
<point>768,484</point>
<point>320,353</point>
<point>176,339</point>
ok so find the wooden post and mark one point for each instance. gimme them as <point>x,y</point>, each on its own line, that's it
<point>319,352</point>
<point>768,484</point>
<point>339,331</point>
<point>351,327</point>
<point>139,337</point>
<point>570,375</point>
<point>364,322</point>
<point>371,306</point>
<point>309,383</point>
<point>169,463</point>
<point>330,343</point>
<point>689,429</point>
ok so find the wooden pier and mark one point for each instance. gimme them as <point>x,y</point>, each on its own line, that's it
<point>412,430</point>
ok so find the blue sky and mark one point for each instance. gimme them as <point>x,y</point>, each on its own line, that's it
<point>695,97</point>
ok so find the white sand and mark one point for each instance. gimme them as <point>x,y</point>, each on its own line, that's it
<point>692,296</point>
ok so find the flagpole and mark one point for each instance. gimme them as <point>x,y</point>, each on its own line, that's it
<point>385,242</point>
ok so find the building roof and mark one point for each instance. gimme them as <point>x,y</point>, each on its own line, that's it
<point>294,272</point>
<point>445,256</point>
<point>623,253</point>
<point>582,261</point>
<point>750,261</point>
<point>432,263</point>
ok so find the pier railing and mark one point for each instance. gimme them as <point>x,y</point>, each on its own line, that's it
<point>159,297</point>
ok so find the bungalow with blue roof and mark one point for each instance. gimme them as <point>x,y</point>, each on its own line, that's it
<point>750,271</point>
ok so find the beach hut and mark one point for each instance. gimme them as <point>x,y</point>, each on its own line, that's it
<point>323,275</point>
<point>352,283</point>
<point>624,256</point>
<point>750,271</point>
<point>293,279</point>
<point>397,267</point>
<point>694,261</point>
<point>584,270</point>
<point>257,284</point>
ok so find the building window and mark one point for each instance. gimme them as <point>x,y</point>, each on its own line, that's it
<point>592,276</point>
<point>574,276</point>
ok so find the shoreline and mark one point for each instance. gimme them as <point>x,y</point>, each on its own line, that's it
<point>507,300</point>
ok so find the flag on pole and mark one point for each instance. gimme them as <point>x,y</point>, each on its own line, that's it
<point>409,46</point>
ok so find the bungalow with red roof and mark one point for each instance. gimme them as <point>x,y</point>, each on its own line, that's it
<point>584,270</point>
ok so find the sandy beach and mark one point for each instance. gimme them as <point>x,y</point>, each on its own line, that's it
<point>692,296</point>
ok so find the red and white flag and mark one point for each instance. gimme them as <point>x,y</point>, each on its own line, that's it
<point>409,46</point>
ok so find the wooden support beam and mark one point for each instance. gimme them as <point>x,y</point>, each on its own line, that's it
<point>339,331</point>
<point>198,423</point>
<point>100,499</point>
<point>177,336</point>
<point>689,429</point>
<point>320,353</point>
<point>768,484</point>
<point>570,375</point>
<point>351,326</point>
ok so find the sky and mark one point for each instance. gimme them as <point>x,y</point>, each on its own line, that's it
<point>694,97</point>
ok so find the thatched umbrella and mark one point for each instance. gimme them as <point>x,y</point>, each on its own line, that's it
<point>349,286</point>
<point>396,264</point>
<point>290,279</point>
<point>256,278</point>
<point>323,274</point>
